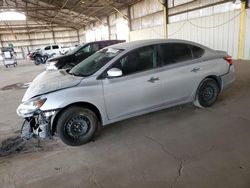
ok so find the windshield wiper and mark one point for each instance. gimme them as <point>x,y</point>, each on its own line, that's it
<point>76,74</point>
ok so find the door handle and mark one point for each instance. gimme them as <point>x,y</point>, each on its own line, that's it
<point>153,79</point>
<point>196,69</point>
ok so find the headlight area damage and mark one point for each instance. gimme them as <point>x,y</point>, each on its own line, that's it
<point>37,123</point>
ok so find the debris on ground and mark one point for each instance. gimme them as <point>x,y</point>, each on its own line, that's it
<point>16,86</point>
<point>11,145</point>
<point>17,145</point>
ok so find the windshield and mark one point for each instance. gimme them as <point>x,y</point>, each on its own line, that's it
<point>71,52</point>
<point>94,62</point>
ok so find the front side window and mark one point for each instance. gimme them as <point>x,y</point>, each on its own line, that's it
<point>171,53</point>
<point>47,48</point>
<point>94,47</point>
<point>94,62</point>
<point>75,50</point>
<point>86,49</point>
<point>137,61</point>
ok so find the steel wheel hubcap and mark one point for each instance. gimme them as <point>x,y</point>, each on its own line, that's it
<point>77,126</point>
<point>208,93</point>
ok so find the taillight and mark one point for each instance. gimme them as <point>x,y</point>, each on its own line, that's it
<point>229,59</point>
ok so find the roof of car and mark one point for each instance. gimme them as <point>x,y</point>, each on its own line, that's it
<point>141,43</point>
<point>100,41</point>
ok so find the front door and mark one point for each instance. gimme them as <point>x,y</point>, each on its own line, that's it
<point>138,89</point>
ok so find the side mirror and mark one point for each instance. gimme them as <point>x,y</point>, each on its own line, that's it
<point>114,72</point>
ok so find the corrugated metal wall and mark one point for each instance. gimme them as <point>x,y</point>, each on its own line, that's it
<point>149,33</point>
<point>246,54</point>
<point>118,28</point>
<point>216,27</point>
<point>218,31</point>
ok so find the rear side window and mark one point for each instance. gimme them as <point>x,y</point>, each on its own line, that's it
<point>174,53</point>
<point>55,47</point>
<point>197,51</point>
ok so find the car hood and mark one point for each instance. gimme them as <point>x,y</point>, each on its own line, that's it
<point>49,81</point>
<point>58,58</point>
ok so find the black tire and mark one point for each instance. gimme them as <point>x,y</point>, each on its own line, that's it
<point>207,93</point>
<point>76,126</point>
<point>7,66</point>
<point>38,60</point>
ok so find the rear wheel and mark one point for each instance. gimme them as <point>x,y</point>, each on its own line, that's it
<point>207,93</point>
<point>77,126</point>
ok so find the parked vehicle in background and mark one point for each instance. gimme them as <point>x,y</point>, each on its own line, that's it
<point>54,49</point>
<point>41,55</point>
<point>123,81</point>
<point>78,54</point>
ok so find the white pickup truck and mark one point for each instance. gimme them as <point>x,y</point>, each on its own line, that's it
<point>54,49</point>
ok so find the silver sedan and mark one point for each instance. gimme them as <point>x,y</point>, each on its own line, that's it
<point>122,81</point>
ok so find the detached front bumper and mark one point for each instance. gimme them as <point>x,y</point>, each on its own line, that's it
<point>38,125</point>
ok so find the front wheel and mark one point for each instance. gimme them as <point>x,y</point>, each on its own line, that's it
<point>38,60</point>
<point>207,93</point>
<point>77,126</point>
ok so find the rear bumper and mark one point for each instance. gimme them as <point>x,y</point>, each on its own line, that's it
<point>228,79</point>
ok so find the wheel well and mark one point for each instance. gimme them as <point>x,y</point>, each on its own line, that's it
<point>217,79</point>
<point>81,104</point>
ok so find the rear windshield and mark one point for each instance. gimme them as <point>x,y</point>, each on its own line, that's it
<point>71,52</point>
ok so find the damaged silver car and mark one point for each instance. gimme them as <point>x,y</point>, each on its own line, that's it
<point>119,82</point>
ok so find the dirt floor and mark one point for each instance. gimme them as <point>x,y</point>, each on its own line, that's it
<point>181,147</point>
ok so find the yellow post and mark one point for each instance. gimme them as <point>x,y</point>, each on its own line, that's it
<point>242,30</point>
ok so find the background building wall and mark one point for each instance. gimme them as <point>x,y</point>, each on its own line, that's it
<point>214,26</point>
<point>29,41</point>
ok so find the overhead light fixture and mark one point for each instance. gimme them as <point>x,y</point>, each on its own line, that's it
<point>12,16</point>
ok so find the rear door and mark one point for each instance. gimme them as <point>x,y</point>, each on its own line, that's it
<point>180,70</point>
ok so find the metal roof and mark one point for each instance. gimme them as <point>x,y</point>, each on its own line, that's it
<point>65,13</point>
